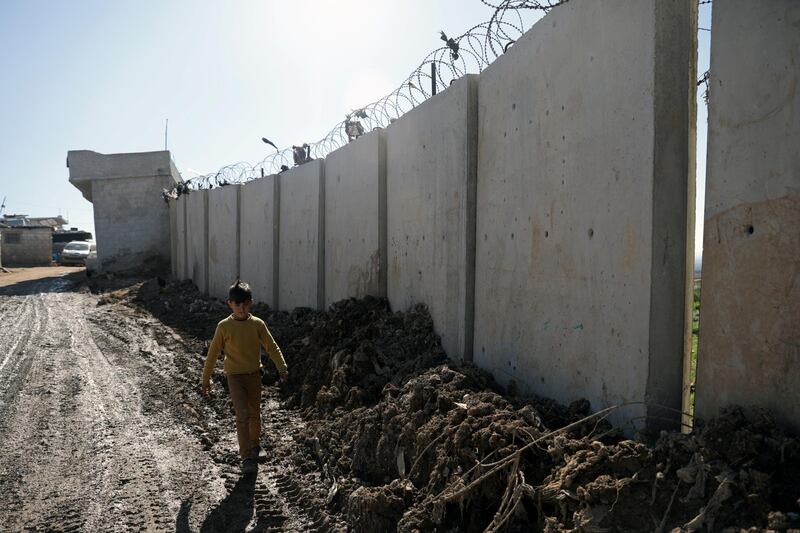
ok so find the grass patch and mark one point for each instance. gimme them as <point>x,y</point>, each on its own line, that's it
<point>695,331</point>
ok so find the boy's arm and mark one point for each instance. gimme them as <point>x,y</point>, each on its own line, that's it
<point>217,344</point>
<point>272,349</point>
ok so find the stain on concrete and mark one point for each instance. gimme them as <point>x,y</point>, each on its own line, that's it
<point>750,322</point>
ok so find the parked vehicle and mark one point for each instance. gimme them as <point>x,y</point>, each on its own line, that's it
<point>76,252</point>
<point>92,264</point>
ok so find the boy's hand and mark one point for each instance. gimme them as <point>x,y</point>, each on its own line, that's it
<point>283,377</point>
<point>205,389</point>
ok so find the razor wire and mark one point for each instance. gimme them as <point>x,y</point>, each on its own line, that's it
<point>470,52</point>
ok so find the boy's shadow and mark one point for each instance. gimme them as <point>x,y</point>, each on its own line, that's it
<point>233,513</point>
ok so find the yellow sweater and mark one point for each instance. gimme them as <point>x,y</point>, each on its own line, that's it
<point>242,340</point>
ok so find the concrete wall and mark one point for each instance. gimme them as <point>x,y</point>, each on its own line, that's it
<point>132,221</point>
<point>581,205</point>
<point>430,183</point>
<point>197,238</point>
<point>302,223</point>
<point>25,247</point>
<point>173,237</point>
<point>541,211</point>
<point>181,246</point>
<point>355,219</point>
<point>223,239</point>
<point>258,212</point>
<point>750,313</point>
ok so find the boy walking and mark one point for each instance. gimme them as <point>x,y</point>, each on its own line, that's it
<point>241,336</point>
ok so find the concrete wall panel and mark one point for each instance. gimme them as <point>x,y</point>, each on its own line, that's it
<point>750,313</point>
<point>301,221</point>
<point>355,247</point>
<point>180,237</point>
<point>257,239</point>
<point>430,180</point>
<point>223,239</point>
<point>197,238</point>
<point>574,233</point>
<point>173,237</point>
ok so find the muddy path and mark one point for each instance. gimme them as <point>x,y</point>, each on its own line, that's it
<point>102,427</point>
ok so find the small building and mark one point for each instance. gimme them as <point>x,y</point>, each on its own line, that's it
<point>131,218</point>
<point>26,246</point>
<point>56,222</point>
<point>61,237</point>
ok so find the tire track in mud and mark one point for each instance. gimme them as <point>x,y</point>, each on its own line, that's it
<point>81,455</point>
<point>270,501</point>
<point>21,318</point>
<point>103,429</point>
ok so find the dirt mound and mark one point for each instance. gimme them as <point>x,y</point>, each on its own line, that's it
<point>408,443</point>
<point>354,350</point>
<point>442,453</point>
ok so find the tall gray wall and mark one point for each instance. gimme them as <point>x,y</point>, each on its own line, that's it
<point>430,184</point>
<point>258,212</point>
<point>197,238</point>
<point>181,246</point>
<point>750,314</point>
<point>173,237</point>
<point>541,211</point>
<point>355,220</point>
<point>300,253</point>
<point>223,239</point>
<point>583,179</point>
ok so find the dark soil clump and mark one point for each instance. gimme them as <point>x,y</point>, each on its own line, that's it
<point>409,441</point>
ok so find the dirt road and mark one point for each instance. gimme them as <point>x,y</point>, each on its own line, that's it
<point>102,427</point>
<point>12,276</point>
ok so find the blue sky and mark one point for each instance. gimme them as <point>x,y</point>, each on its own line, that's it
<point>104,75</point>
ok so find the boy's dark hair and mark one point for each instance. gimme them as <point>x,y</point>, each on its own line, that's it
<point>240,292</point>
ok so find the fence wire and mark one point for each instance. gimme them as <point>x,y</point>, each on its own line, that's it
<point>468,53</point>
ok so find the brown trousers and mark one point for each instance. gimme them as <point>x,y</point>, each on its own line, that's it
<point>245,392</point>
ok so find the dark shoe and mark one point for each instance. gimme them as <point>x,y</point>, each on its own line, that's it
<point>249,466</point>
<point>259,454</point>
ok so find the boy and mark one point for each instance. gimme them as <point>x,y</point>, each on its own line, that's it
<point>242,335</point>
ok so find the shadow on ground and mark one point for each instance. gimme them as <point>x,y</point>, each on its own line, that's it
<point>233,513</point>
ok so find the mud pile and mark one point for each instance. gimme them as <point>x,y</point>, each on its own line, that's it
<point>408,442</point>
<point>353,351</point>
<point>443,453</point>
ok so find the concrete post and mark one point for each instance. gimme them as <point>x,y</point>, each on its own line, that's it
<point>750,314</point>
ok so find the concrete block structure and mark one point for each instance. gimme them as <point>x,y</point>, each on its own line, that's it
<point>430,182</point>
<point>197,238</point>
<point>301,229</point>
<point>355,219</point>
<point>257,238</point>
<point>131,219</point>
<point>223,239</point>
<point>26,246</point>
<point>582,222</point>
<point>750,314</point>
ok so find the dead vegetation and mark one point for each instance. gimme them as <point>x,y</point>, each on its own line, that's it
<point>408,441</point>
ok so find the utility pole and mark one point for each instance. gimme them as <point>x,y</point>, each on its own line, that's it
<point>166,130</point>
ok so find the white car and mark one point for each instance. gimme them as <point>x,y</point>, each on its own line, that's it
<point>76,252</point>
